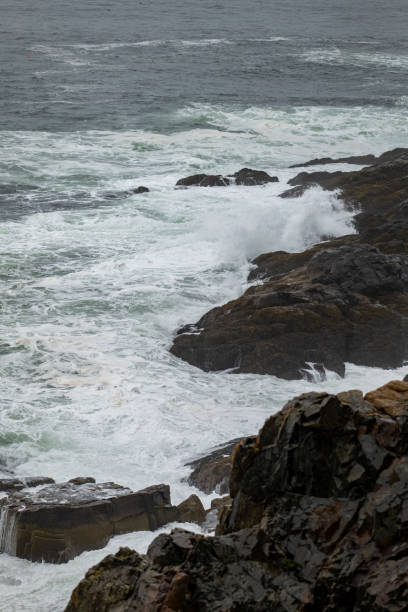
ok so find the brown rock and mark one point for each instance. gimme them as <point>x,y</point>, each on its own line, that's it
<point>391,398</point>
<point>191,510</point>
<point>60,521</point>
<point>211,472</point>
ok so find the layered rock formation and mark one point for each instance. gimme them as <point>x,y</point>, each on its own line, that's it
<point>318,521</point>
<point>59,521</point>
<point>343,300</point>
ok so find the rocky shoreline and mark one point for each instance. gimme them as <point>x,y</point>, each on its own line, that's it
<point>344,300</point>
<point>318,521</point>
<point>315,509</point>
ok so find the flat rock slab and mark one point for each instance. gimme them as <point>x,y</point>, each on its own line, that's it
<point>60,521</point>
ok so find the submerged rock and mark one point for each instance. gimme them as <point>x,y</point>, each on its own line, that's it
<point>317,523</point>
<point>121,195</point>
<point>59,521</point>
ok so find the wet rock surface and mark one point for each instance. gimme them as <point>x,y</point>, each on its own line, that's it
<point>344,300</point>
<point>360,160</point>
<point>248,177</point>
<point>203,180</point>
<point>245,176</point>
<point>318,521</point>
<point>57,522</point>
<point>211,472</point>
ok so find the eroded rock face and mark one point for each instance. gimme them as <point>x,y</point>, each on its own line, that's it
<point>318,521</point>
<point>59,521</point>
<point>342,300</point>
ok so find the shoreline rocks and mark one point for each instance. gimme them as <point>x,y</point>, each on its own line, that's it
<point>245,176</point>
<point>359,160</point>
<point>321,306</point>
<point>317,521</point>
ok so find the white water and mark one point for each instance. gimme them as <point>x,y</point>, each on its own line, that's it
<point>91,297</point>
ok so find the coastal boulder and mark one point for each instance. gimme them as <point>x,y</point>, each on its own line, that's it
<point>203,180</point>
<point>248,177</point>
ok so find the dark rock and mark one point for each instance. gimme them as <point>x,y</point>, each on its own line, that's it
<point>246,176</point>
<point>121,571</point>
<point>318,521</point>
<point>405,379</point>
<point>324,179</point>
<point>203,180</point>
<point>60,521</point>
<point>360,160</point>
<point>141,189</point>
<point>121,195</point>
<point>80,480</point>
<point>211,473</point>
<point>191,510</point>
<point>11,484</point>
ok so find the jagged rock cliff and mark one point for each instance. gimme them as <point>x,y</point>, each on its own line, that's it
<point>318,521</point>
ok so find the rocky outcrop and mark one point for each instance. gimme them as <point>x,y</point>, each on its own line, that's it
<point>359,160</point>
<point>203,180</point>
<point>245,176</point>
<point>248,177</point>
<point>318,521</point>
<point>345,304</point>
<point>59,521</point>
<point>211,472</point>
<point>342,300</point>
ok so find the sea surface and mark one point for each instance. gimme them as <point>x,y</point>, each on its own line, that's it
<point>97,98</point>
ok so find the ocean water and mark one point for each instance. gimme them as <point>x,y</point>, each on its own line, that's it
<point>98,98</point>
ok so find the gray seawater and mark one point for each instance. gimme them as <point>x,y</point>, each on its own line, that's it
<point>97,98</point>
